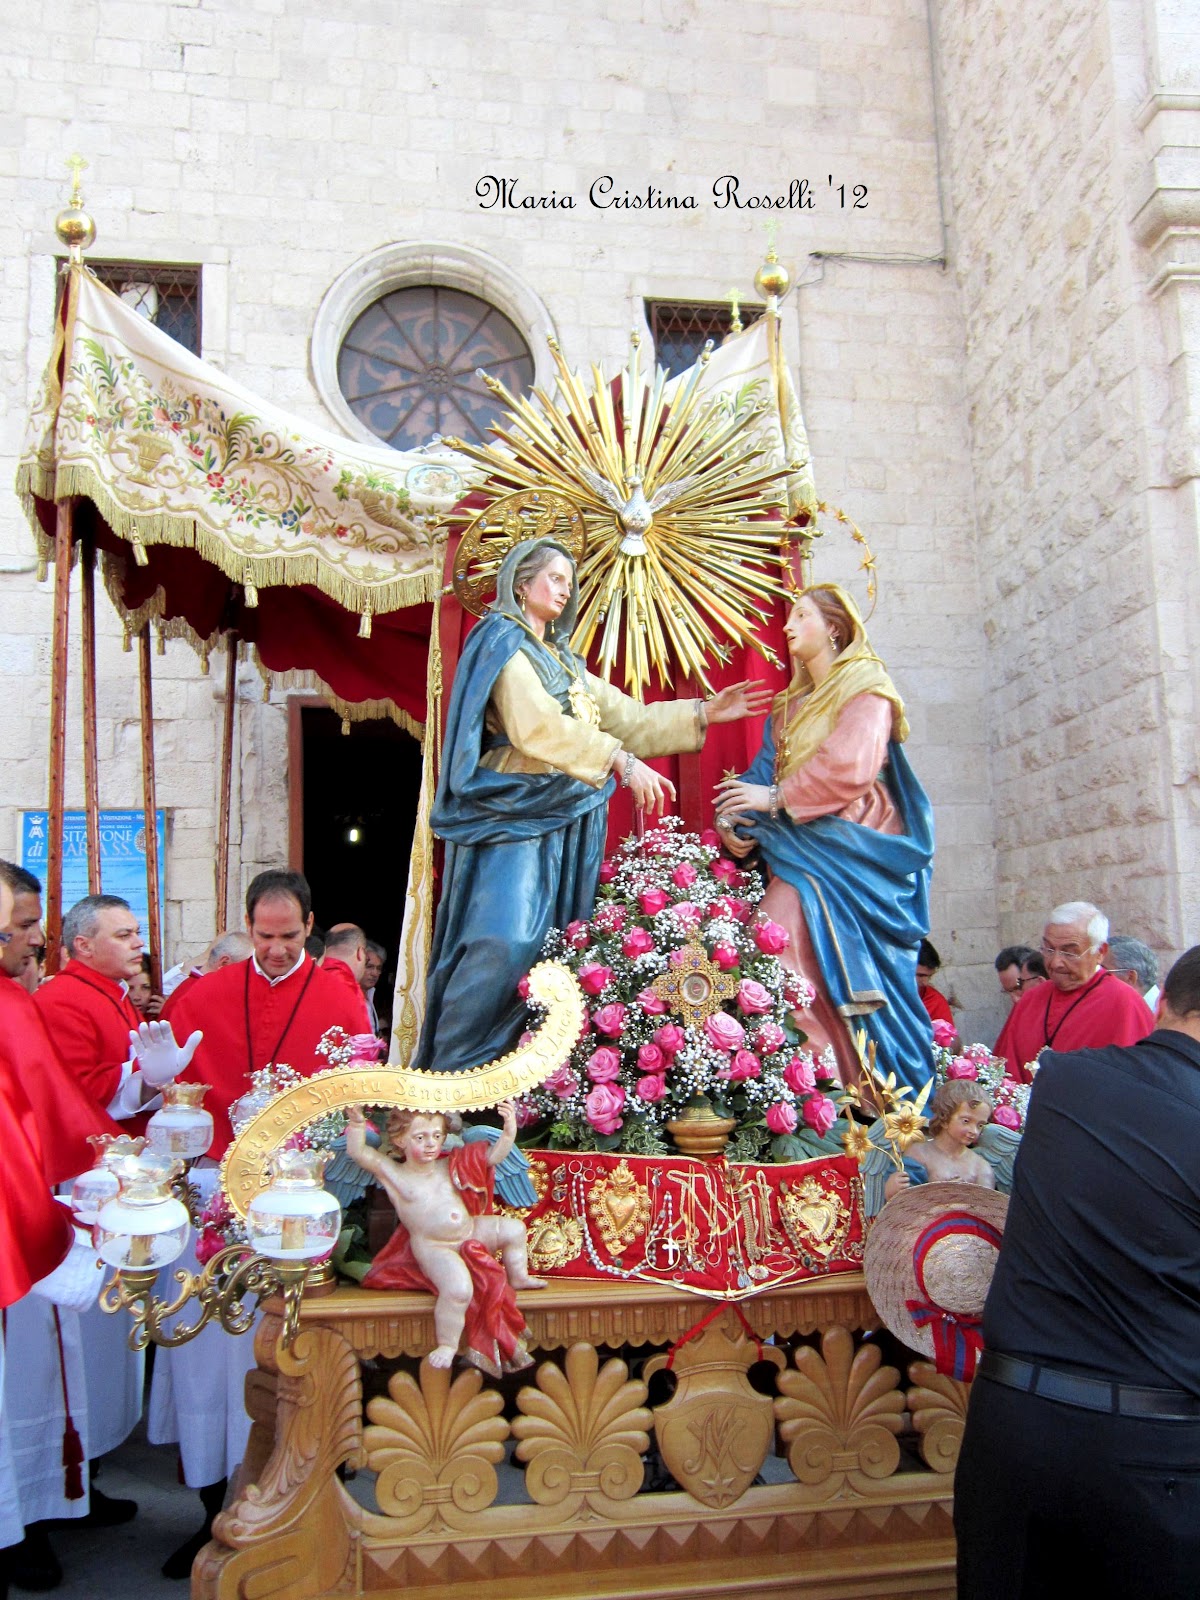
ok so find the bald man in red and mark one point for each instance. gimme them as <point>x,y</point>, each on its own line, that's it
<point>1082,1007</point>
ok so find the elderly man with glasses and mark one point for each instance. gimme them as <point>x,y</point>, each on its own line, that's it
<point>1082,1006</point>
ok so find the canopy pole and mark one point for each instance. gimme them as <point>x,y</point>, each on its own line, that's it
<point>64,528</point>
<point>223,806</point>
<point>91,766</point>
<point>150,808</point>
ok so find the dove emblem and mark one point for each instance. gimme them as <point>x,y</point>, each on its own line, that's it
<point>635,513</point>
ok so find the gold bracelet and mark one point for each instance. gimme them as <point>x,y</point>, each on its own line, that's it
<point>773,801</point>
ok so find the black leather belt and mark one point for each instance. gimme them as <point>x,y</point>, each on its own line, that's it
<point>1089,1394</point>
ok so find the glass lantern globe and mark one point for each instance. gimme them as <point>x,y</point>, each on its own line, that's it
<point>183,1127</point>
<point>100,1182</point>
<point>247,1107</point>
<point>145,1227</point>
<point>295,1218</point>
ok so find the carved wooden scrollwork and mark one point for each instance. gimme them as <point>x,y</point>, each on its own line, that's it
<point>582,1432</point>
<point>839,1414</point>
<point>939,1413</point>
<point>715,1431</point>
<point>435,1446</point>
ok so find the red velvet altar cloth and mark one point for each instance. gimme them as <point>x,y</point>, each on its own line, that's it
<point>716,1229</point>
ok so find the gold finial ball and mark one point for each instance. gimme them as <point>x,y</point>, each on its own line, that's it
<point>75,228</point>
<point>772,278</point>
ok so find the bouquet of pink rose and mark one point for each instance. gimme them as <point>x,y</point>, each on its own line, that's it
<point>675,917</point>
<point>976,1061</point>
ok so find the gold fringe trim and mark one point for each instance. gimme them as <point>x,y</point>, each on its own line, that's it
<point>262,572</point>
<point>112,568</point>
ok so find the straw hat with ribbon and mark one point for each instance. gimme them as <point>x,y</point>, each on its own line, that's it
<point>929,1261</point>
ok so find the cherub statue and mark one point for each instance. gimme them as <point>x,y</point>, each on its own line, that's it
<point>959,1112</point>
<point>448,1235</point>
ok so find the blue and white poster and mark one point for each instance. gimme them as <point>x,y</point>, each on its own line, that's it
<point>122,856</point>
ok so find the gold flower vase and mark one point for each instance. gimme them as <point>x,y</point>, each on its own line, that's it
<point>699,1131</point>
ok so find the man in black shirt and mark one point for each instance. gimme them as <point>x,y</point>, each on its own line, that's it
<point>1080,1465</point>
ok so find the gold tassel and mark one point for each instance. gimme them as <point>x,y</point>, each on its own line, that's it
<point>43,570</point>
<point>249,586</point>
<point>345,727</point>
<point>126,642</point>
<point>161,648</point>
<point>140,558</point>
<point>364,622</point>
<point>204,662</point>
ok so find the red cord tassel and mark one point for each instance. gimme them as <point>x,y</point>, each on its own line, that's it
<point>72,1457</point>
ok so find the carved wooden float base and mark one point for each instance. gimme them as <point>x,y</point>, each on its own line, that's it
<point>864,1508</point>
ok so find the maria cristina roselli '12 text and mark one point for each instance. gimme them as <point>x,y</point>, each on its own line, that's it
<point>728,193</point>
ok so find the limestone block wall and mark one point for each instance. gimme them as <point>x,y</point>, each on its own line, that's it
<point>1085,561</point>
<point>278,144</point>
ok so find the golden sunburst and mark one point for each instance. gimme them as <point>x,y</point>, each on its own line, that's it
<point>683,513</point>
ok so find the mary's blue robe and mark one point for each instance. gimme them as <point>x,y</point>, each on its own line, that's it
<point>865,898</point>
<point>523,854</point>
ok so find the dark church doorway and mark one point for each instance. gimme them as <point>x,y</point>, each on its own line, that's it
<point>353,800</point>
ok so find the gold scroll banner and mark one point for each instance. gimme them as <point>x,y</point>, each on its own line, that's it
<point>552,985</point>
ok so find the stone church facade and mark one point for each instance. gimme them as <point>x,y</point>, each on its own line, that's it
<point>991,211</point>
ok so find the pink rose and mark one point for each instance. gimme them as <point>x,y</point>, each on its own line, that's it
<point>652,901</point>
<point>686,914</point>
<point>670,1038</point>
<point>562,1082</point>
<point>960,1067</point>
<point>608,871</point>
<point>725,956</point>
<point>526,1038</point>
<point>684,875</point>
<point>652,1004</point>
<point>781,1117</point>
<point>610,917</point>
<point>799,1075</point>
<point>820,1113</point>
<point>740,909</point>
<point>1007,1117</point>
<point>770,937</point>
<point>978,1052</point>
<point>943,1033</point>
<point>610,1019</point>
<point>577,934</point>
<point>722,906</point>
<point>637,942</point>
<point>753,999</point>
<point>650,1058</point>
<point>523,988</point>
<point>603,1107</point>
<point>651,1088</point>
<point>594,978</point>
<point>724,1031</point>
<point>745,1065</point>
<point>604,1064</point>
<point>770,1036</point>
<point>710,839</point>
<point>724,870</point>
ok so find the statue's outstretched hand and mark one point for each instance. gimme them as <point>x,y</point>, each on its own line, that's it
<point>737,700</point>
<point>734,794</point>
<point>650,790</point>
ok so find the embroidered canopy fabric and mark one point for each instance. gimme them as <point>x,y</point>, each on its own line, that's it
<point>219,495</point>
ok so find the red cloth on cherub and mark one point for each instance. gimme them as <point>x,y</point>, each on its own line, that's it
<point>495,1331</point>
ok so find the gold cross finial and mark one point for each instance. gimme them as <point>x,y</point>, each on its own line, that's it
<point>78,166</point>
<point>772,231</point>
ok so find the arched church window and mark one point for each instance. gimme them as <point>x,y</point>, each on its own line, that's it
<point>409,364</point>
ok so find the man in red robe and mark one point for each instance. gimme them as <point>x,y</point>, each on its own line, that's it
<point>88,1013</point>
<point>270,1010</point>
<point>346,958</point>
<point>66,1114</point>
<point>1082,1006</point>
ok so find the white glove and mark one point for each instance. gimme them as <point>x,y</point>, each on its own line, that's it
<point>75,1282</point>
<point>158,1057</point>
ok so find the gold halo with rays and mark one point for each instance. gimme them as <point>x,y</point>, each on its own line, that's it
<point>677,501</point>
